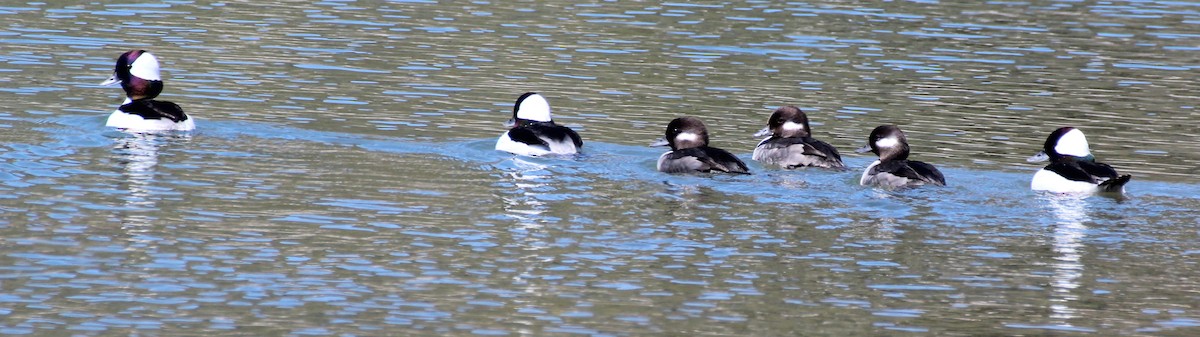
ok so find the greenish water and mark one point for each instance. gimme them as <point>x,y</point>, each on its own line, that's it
<point>342,179</point>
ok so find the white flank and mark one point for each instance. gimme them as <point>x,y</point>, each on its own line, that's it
<point>146,67</point>
<point>134,123</point>
<point>760,153</point>
<point>534,108</point>
<point>1045,180</point>
<point>1073,144</point>
<point>563,147</point>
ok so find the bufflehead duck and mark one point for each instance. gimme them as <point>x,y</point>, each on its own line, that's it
<point>790,144</point>
<point>1072,167</point>
<point>137,72</point>
<point>690,152</point>
<point>533,133</point>
<point>893,169</point>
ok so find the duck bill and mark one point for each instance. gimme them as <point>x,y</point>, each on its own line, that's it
<point>766,131</point>
<point>1039,157</point>
<point>863,149</point>
<point>660,142</point>
<point>511,123</point>
<point>110,81</point>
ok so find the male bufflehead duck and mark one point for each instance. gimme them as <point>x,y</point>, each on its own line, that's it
<point>893,169</point>
<point>137,72</point>
<point>533,133</point>
<point>690,152</point>
<point>791,145</point>
<point>1072,167</point>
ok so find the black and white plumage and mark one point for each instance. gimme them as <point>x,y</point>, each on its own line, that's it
<point>791,145</point>
<point>534,133</point>
<point>138,73</point>
<point>690,152</point>
<point>893,169</point>
<point>1073,168</point>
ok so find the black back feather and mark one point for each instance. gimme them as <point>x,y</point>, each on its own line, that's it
<point>711,158</point>
<point>1071,171</point>
<point>812,146</point>
<point>1097,169</point>
<point>1082,170</point>
<point>1090,171</point>
<point>536,133</point>
<point>527,136</point>
<point>1116,184</point>
<point>153,109</point>
<point>794,152</point>
<point>911,169</point>
<point>556,132</point>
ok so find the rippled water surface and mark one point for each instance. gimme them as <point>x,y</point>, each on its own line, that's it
<point>342,179</point>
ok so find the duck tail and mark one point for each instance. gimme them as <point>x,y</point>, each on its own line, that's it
<point>1115,185</point>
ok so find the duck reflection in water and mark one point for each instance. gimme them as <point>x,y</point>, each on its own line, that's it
<point>1070,230</point>
<point>138,153</point>
<point>529,179</point>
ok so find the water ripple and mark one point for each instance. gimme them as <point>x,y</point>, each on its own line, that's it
<point>343,180</point>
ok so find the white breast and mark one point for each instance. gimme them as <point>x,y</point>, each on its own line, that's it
<point>863,180</point>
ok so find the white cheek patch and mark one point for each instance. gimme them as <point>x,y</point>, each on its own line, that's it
<point>793,126</point>
<point>687,137</point>
<point>145,67</point>
<point>1073,144</point>
<point>534,108</point>
<point>888,142</point>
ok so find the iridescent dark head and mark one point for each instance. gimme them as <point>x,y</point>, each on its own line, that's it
<point>137,71</point>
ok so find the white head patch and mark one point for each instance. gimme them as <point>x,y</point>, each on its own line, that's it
<point>888,142</point>
<point>145,67</point>
<point>792,126</point>
<point>1073,144</point>
<point>687,137</point>
<point>534,108</point>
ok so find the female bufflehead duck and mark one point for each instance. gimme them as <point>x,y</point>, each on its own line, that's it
<point>533,133</point>
<point>690,152</point>
<point>893,169</point>
<point>137,71</point>
<point>1072,167</point>
<point>791,145</point>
